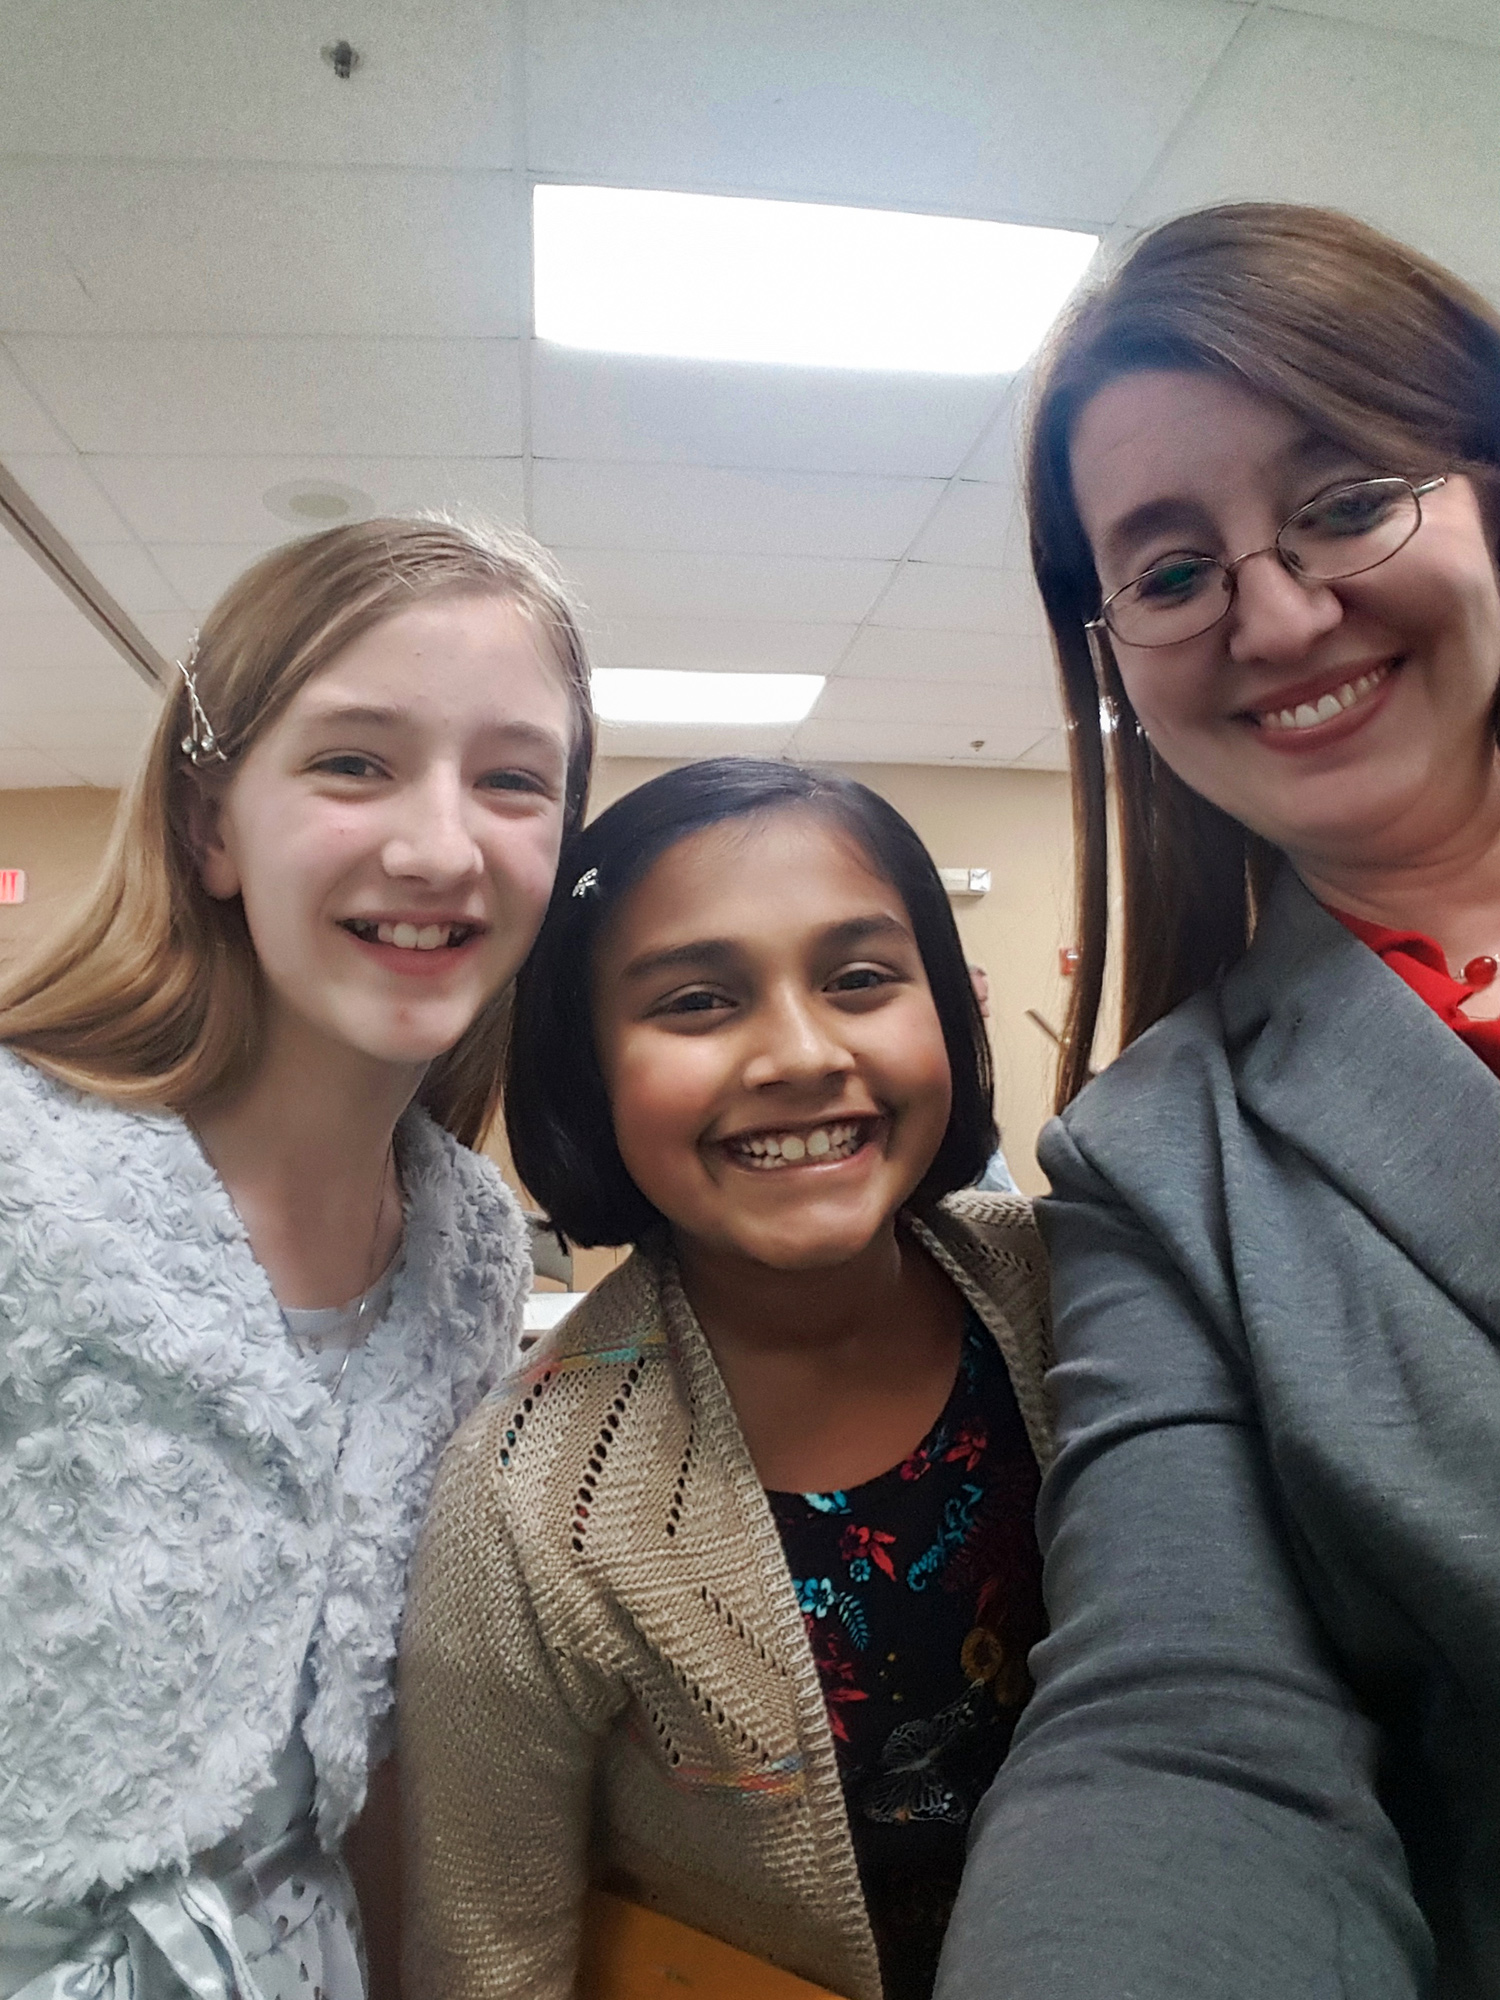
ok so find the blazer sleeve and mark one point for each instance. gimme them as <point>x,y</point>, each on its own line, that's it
<point>496,1757</point>
<point>1189,1809</point>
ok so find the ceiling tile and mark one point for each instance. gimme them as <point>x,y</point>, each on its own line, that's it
<point>1398,129</point>
<point>1473,21</point>
<point>24,769</point>
<point>907,743</point>
<point>718,644</point>
<point>24,424</point>
<point>639,739</point>
<point>777,419</point>
<point>1037,113</point>
<point>974,523</point>
<point>397,398</point>
<point>885,653</point>
<point>24,585</point>
<point>65,490</point>
<point>54,637</point>
<point>91,247</point>
<point>948,597</point>
<point>201,574</point>
<point>1050,754</point>
<point>223,499</point>
<point>707,508</point>
<point>129,574</point>
<point>993,707</point>
<point>618,584</point>
<point>236,82</point>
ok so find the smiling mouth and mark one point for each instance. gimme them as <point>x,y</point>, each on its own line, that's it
<point>1338,701</point>
<point>816,1145</point>
<point>411,937</point>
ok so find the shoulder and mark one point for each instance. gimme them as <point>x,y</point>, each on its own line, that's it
<point>550,1410</point>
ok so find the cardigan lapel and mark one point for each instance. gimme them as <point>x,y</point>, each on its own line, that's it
<point>1335,1053</point>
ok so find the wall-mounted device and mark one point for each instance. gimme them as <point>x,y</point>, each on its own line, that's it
<point>966,881</point>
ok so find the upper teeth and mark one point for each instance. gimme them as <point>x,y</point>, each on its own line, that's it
<point>1308,714</point>
<point>413,937</point>
<point>770,1147</point>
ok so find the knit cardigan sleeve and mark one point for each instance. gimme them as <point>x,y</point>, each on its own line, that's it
<point>497,1754</point>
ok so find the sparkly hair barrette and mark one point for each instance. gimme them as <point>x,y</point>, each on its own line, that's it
<point>200,746</point>
<point>587,883</point>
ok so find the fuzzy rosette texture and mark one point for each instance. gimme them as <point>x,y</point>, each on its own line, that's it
<point>185,1515</point>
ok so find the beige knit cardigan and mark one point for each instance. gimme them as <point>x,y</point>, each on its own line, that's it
<point>605,1676</point>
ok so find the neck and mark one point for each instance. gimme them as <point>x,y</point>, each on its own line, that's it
<point>305,1152</point>
<point>1448,888</point>
<point>754,1309</point>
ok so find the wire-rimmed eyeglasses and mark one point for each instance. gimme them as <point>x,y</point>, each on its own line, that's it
<point>1342,533</point>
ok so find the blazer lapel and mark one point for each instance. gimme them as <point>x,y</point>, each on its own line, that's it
<point>1335,1053</point>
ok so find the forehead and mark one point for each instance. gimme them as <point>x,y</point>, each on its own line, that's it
<point>1169,434</point>
<point>779,873</point>
<point>483,649</point>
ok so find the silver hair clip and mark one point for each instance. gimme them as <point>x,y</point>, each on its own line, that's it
<point>587,883</point>
<point>200,746</point>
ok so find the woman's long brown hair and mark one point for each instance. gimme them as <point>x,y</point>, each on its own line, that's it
<point>1372,345</point>
<point>151,994</point>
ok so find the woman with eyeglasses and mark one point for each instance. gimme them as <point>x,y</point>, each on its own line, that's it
<point>1263,1758</point>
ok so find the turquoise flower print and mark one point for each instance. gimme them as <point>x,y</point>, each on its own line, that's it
<point>815,1595</point>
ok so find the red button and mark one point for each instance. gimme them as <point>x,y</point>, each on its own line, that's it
<point>1480,971</point>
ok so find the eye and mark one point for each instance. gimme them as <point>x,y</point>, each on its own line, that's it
<point>862,979</point>
<point>1173,582</point>
<point>349,764</point>
<point>530,782</point>
<point>692,1002</point>
<point>1351,510</point>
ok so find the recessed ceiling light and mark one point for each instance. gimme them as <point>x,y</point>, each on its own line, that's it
<point>721,278</point>
<point>317,503</point>
<point>653,694</point>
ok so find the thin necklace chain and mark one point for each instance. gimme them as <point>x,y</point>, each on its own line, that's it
<point>387,1168</point>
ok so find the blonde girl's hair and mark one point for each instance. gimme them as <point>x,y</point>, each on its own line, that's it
<point>151,994</point>
<point>1372,345</point>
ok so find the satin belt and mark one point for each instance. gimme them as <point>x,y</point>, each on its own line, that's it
<point>186,1920</point>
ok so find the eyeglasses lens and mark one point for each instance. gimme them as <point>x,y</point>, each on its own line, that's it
<point>1341,533</point>
<point>1351,529</point>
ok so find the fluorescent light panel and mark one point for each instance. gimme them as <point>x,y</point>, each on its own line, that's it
<point>718,278</point>
<point>652,694</point>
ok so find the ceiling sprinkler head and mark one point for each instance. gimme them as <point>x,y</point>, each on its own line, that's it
<point>342,58</point>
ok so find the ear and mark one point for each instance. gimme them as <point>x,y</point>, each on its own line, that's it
<point>217,869</point>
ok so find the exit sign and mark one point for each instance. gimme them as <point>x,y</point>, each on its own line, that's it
<point>12,885</point>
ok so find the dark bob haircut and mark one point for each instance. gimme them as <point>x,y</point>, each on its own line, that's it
<point>557,1110</point>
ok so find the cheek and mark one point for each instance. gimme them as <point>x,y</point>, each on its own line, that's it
<point>660,1091</point>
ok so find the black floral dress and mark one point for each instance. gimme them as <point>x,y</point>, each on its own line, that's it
<point>921,1591</point>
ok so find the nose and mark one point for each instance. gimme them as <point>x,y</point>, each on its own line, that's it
<point>431,839</point>
<point>1277,616</point>
<point>796,1045</point>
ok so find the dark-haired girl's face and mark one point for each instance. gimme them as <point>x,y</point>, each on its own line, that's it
<point>775,1063</point>
<point>1347,722</point>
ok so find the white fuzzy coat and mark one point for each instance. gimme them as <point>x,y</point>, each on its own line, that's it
<point>183,1508</point>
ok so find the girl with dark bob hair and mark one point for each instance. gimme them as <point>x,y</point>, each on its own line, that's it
<point>1264,1754</point>
<point>726,1600</point>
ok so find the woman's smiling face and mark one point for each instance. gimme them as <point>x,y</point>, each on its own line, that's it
<point>775,1063</point>
<point>1167,462</point>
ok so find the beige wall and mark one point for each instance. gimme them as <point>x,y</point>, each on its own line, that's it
<point>1013,822</point>
<point>57,837</point>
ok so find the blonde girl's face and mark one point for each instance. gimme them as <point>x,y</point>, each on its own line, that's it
<point>775,1063</point>
<point>394,834</point>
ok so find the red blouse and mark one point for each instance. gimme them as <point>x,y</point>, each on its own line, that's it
<point>1420,962</point>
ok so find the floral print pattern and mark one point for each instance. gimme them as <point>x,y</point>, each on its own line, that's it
<point>921,1593</point>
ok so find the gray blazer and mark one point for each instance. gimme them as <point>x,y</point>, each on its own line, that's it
<point>1263,1759</point>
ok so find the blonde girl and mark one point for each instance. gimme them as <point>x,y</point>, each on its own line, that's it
<point>250,1274</point>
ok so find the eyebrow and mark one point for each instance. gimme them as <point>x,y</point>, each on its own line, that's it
<point>715,953</point>
<point>362,715</point>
